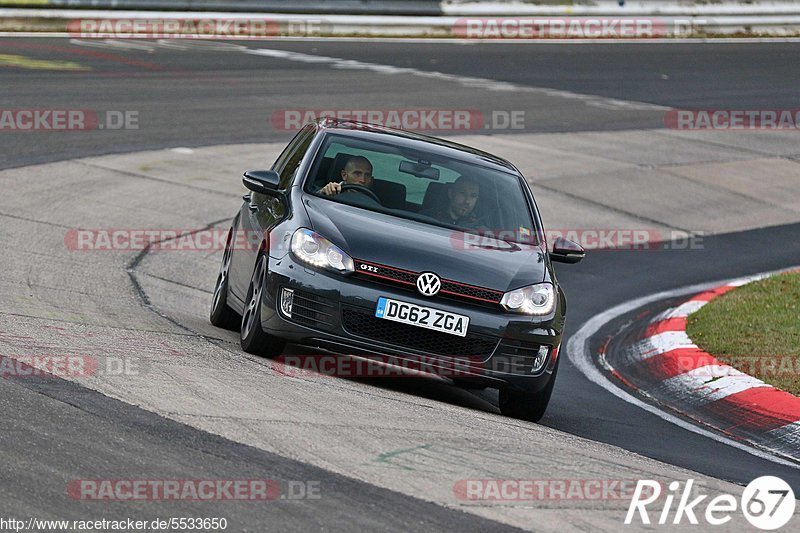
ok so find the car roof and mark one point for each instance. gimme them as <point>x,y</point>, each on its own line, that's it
<point>413,140</point>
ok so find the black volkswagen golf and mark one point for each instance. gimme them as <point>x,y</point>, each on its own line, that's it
<point>371,242</point>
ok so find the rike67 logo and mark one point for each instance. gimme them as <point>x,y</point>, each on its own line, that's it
<point>767,503</point>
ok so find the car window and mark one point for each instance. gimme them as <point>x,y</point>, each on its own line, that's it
<point>385,168</point>
<point>422,186</point>
<point>287,163</point>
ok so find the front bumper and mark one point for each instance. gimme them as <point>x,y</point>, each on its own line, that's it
<point>336,313</point>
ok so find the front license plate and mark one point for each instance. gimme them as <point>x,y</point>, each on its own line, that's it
<point>424,317</point>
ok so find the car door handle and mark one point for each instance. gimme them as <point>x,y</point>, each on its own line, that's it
<point>246,197</point>
<point>252,207</point>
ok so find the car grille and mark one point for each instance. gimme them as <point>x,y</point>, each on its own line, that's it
<point>363,323</point>
<point>516,357</point>
<point>407,279</point>
<point>312,310</point>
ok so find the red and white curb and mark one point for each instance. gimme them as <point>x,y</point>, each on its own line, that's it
<point>697,385</point>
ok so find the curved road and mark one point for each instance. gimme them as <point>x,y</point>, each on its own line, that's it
<point>198,407</point>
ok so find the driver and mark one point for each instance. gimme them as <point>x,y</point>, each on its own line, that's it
<point>357,171</point>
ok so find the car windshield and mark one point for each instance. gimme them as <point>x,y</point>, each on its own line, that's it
<point>424,187</point>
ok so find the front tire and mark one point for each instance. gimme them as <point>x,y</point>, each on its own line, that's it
<point>221,314</point>
<point>252,337</point>
<point>526,405</point>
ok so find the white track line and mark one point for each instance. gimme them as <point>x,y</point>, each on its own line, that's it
<point>451,40</point>
<point>465,81</point>
<point>579,354</point>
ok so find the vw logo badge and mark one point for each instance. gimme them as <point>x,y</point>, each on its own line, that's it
<point>428,284</point>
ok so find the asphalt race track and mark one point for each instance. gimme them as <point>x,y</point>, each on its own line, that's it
<point>190,94</point>
<point>386,454</point>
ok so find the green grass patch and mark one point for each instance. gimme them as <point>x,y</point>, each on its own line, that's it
<point>756,329</point>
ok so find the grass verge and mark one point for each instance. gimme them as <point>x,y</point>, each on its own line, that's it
<point>756,329</point>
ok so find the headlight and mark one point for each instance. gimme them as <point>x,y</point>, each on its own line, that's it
<point>315,250</point>
<point>539,299</point>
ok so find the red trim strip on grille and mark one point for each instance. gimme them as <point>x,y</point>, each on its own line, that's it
<point>461,295</point>
<point>388,267</point>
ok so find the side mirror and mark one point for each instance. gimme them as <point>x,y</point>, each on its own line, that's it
<point>262,181</point>
<point>566,251</point>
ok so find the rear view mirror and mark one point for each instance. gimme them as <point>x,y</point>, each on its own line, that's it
<point>420,170</point>
<point>566,251</point>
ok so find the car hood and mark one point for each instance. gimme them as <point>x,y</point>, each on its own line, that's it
<point>410,245</point>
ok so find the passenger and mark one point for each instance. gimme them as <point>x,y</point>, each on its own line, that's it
<point>462,196</point>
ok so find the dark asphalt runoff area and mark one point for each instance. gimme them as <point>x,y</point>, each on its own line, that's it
<point>203,96</point>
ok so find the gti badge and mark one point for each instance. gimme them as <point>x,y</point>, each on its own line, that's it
<point>428,284</point>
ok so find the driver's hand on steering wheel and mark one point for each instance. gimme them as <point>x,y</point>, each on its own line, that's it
<point>331,189</point>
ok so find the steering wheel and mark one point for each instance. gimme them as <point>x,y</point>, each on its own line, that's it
<point>362,189</point>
